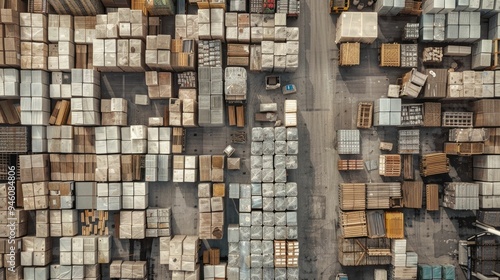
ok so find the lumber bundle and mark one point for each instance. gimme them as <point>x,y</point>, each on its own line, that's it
<point>352,196</point>
<point>432,197</point>
<point>365,114</point>
<point>492,144</point>
<point>9,112</point>
<point>394,222</point>
<point>94,222</point>
<point>350,164</point>
<point>353,224</point>
<point>349,54</point>
<point>390,165</point>
<point>433,164</point>
<point>378,195</point>
<point>408,171</point>
<point>211,256</point>
<point>412,194</point>
<point>464,149</point>
<point>236,115</point>
<point>60,114</point>
<point>77,8</point>
<point>364,251</point>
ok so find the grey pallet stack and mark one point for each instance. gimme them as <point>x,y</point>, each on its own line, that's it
<point>461,196</point>
<point>107,140</point>
<point>256,6</point>
<point>387,112</point>
<point>481,54</point>
<point>463,26</point>
<point>109,196</point>
<point>134,139</point>
<point>468,134</point>
<point>211,99</point>
<point>348,142</point>
<point>238,5</point>
<point>413,82</point>
<point>409,142</point>
<point>160,8</point>
<point>84,250</point>
<point>389,7</point>
<point>158,54</point>
<point>454,50</point>
<point>282,6</point>
<point>35,102</point>
<point>409,55</point>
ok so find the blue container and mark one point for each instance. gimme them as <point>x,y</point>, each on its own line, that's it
<point>424,272</point>
<point>436,272</point>
<point>448,272</point>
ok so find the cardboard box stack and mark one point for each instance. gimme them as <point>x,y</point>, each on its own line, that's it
<point>62,222</point>
<point>109,196</point>
<point>34,48</point>
<point>42,218</point>
<point>67,272</point>
<point>84,250</point>
<point>128,269</point>
<point>9,83</point>
<point>86,195</point>
<point>185,169</point>
<point>189,107</point>
<point>107,140</point>
<point>35,102</point>
<point>37,251</point>
<point>238,28</point>
<point>211,211</point>
<point>159,140</point>
<point>132,225</point>
<point>471,84</point>
<point>290,113</point>
<point>85,94</point>
<point>35,195</point>
<point>158,222</point>
<point>486,168</point>
<point>39,139</point>
<point>108,168</point>
<point>10,55</point>
<point>135,195</point>
<point>158,55</point>
<point>34,168</point>
<point>60,139</point>
<point>114,111</point>
<point>134,139</point>
<point>159,85</point>
<point>164,249</point>
<point>183,253</point>
<point>60,86</point>
<point>62,47</point>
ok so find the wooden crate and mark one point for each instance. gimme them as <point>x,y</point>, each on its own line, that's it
<point>433,164</point>
<point>394,223</point>
<point>365,115</point>
<point>464,149</point>
<point>352,196</point>
<point>350,164</point>
<point>412,194</point>
<point>349,54</point>
<point>432,197</point>
<point>390,165</point>
<point>390,55</point>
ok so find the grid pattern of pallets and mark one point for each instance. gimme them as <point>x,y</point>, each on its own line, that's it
<point>432,114</point>
<point>349,54</point>
<point>365,115</point>
<point>433,164</point>
<point>390,55</point>
<point>352,196</point>
<point>13,139</point>
<point>409,141</point>
<point>390,165</point>
<point>350,164</point>
<point>457,119</point>
<point>412,114</point>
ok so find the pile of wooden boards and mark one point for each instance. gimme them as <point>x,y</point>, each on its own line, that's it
<point>9,112</point>
<point>380,195</point>
<point>492,144</point>
<point>60,115</point>
<point>238,55</point>
<point>94,222</point>
<point>464,149</point>
<point>365,115</point>
<point>211,256</point>
<point>352,196</point>
<point>408,171</point>
<point>353,224</point>
<point>433,164</point>
<point>390,165</point>
<point>394,223</point>
<point>350,164</point>
<point>390,55</point>
<point>432,197</point>
<point>236,115</point>
<point>178,139</point>
<point>349,54</point>
<point>412,194</point>
<point>85,8</point>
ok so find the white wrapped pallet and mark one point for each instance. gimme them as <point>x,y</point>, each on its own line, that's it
<point>357,27</point>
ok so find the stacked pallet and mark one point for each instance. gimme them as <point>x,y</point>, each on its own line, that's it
<point>486,113</point>
<point>394,223</point>
<point>35,102</point>
<point>238,28</point>
<point>185,169</point>
<point>403,264</point>
<point>432,197</point>
<point>60,139</point>
<point>109,196</point>
<point>183,251</point>
<point>352,196</point>
<point>114,111</point>
<point>409,141</point>
<point>34,48</point>
<point>461,196</point>
<point>390,165</point>
<point>157,55</point>
<point>375,222</point>
<point>10,38</point>
<point>159,140</point>
<point>108,168</point>
<point>433,164</point>
<point>131,167</point>
<point>36,251</point>
<point>348,142</point>
<point>365,112</point>
<point>380,195</point>
<point>211,99</point>
<point>84,250</point>
<point>135,195</point>
<point>364,251</point>
<point>350,164</point>
<point>412,83</point>
<point>134,139</point>
<point>178,139</point>
<point>412,194</point>
<point>387,111</point>
<point>238,55</point>
<point>408,170</point>
<point>56,223</point>
<point>61,195</point>
<point>158,168</point>
<point>353,224</point>
<point>107,140</point>
<point>158,222</point>
<point>464,149</point>
<point>349,54</point>
<point>491,218</point>
<point>432,114</point>
<point>211,211</point>
<point>68,167</point>
<point>160,8</point>
<point>390,55</point>
<point>85,195</point>
<point>62,49</point>
<point>189,110</point>
<point>412,114</point>
<point>128,269</point>
<point>409,52</point>
<point>9,84</point>
<point>468,134</point>
<point>84,33</point>
<point>486,168</point>
<point>183,55</point>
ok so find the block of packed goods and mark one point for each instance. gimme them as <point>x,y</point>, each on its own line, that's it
<point>186,26</point>
<point>486,168</point>
<point>58,271</point>
<point>83,140</point>
<point>403,263</point>
<point>159,140</point>
<point>185,169</point>
<point>357,27</point>
<point>387,111</point>
<point>134,195</point>
<point>33,36</point>
<point>84,31</point>
<point>411,32</point>
<point>132,225</point>
<point>34,102</point>
<point>36,251</point>
<point>435,7</point>
<point>462,26</point>
<point>10,54</point>
<point>118,55</point>
<point>158,168</point>
<point>211,211</point>
<point>60,139</point>
<point>354,252</point>
<point>389,7</point>
<point>7,217</point>
<point>349,54</point>
<point>433,164</point>
<point>409,141</point>
<point>237,5</point>
<point>160,8</point>
<point>72,167</point>
<point>486,113</point>
<point>457,119</point>
<point>109,196</point>
<point>382,195</point>
<point>182,252</point>
<point>183,55</point>
<point>211,24</point>
<point>235,89</point>
<point>114,111</point>
<point>187,80</point>
<point>489,217</point>
<point>432,197</point>
<point>60,113</point>
<point>348,142</point>
<point>412,114</point>
<point>456,50</point>
<point>432,114</point>
<point>84,250</point>
<point>61,47</point>
<point>350,164</point>
<point>390,55</point>
<point>189,107</point>
<point>60,86</point>
<point>412,194</point>
<point>133,139</point>
<point>353,224</point>
<point>85,193</point>
<point>107,140</point>
<point>159,85</point>
<point>211,98</point>
<point>128,269</point>
<point>9,83</point>
<point>290,113</point>
<point>482,54</point>
<point>238,55</point>
<point>158,222</point>
<point>108,168</point>
<point>412,83</point>
<point>211,168</point>
<point>35,195</point>
<point>432,55</point>
<point>158,54</point>
<point>409,55</point>
<point>85,94</point>
<point>375,222</point>
<point>489,193</point>
<point>492,144</point>
<point>464,148</point>
<point>34,168</point>
<point>461,196</point>
<point>390,165</point>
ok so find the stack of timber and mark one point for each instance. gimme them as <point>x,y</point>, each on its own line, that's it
<point>364,251</point>
<point>487,112</point>
<point>379,195</point>
<point>350,164</point>
<point>349,54</point>
<point>236,115</point>
<point>9,112</point>
<point>492,144</point>
<point>352,196</point>
<point>353,224</point>
<point>376,223</point>
<point>238,55</point>
<point>433,164</point>
<point>390,55</point>
<point>432,197</point>
<point>412,194</point>
<point>84,8</point>
<point>432,114</point>
<point>457,119</point>
<point>394,223</point>
<point>408,171</point>
<point>390,165</point>
<point>365,114</point>
<point>464,149</point>
<point>432,55</point>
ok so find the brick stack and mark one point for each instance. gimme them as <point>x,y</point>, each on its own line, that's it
<point>34,168</point>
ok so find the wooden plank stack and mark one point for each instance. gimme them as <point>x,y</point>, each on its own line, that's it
<point>236,115</point>
<point>487,113</point>
<point>352,196</point>
<point>390,55</point>
<point>432,114</point>
<point>365,114</point>
<point>408,171</point>
<point>353,224</point>
<point>349,54</point>
<point>394,222</point>
<point>350,164</point>
<point>433,164</point>
<point>412,194</point>
<point>378,195</point>
<point>94,222</point>
<point>9,112</point>
<point>10,54</point>
<point>178,137</point>
<point>360,251</point>
<point>432,197</point>
<point>238,55</point>
<point>72,167</point>
<point>83,8</point>
<point>492,144</point>
<point>390,165</point>
<point>464,149</point>
<point>34,48</point>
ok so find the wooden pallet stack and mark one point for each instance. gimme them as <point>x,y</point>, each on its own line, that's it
<point>433,164</point>
<point>432,114</point>
<point>390,165</point>
<point>412,194</point>
<point>464,149</point>
<point>394,223</point>
<point>365,115</point>
<point>390,55</point>
<point>353,224</point>
<point>350,164</point>
<point>432,197</point>
<point>364,251</point>
<point>352,196</point>
<point>349,54</point>
<point>380,195</point>
<point>83,8</point>
<point>408,171</point>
